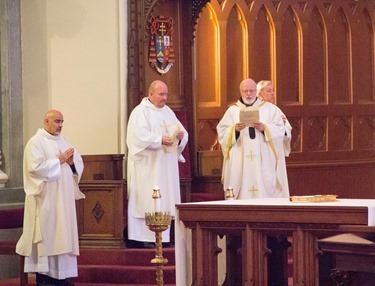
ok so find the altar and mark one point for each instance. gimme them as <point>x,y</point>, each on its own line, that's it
<point>199,224</point>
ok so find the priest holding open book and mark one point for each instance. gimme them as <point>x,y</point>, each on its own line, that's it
<point>251,134</point>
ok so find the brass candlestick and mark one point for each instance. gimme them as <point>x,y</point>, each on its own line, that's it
<point>229,195</point>
<point>158,222</point>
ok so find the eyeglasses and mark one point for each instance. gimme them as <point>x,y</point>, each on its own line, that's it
<point>248,90</point>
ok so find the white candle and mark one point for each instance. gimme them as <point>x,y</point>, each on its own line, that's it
<point>156,196</point>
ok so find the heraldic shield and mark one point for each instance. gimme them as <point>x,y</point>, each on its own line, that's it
<point>161,53</point>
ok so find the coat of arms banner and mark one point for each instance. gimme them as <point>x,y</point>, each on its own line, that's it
<point>161,53</point>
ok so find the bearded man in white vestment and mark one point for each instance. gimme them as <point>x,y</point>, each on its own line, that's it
<point>254,162</point>
<point>52,169</point>
<point>155,139</point>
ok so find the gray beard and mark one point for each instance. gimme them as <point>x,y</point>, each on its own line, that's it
<point>247,102</point>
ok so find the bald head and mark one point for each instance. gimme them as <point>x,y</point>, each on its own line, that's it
<point>247,82</point>
<point>53,122</point>
<point>158,93</point>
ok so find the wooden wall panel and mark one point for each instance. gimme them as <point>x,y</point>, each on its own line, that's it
<point>101,217</point>
<point>235,53</point>
<point>207,62</point>
<point>363,52</point>
<point>288,58</point>
<point>260,65</point>
<point>174,77</point>
<point>338,59</point>
<point>346,179</point>
<point>314,60</point>
<point>320,56</point>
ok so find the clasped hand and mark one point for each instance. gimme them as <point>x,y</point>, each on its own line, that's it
<point>67,156</point>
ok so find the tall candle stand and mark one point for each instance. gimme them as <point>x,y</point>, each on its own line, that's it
<point>158,222</point>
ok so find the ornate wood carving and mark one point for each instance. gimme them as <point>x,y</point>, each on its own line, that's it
<point>342,129</point>
<point>317,130</point>
<point>326,89</point>
<point>135,56</point>
<point>139,12</point>
<point>197,6</point>
<point>366,132</point>
<point>208,220</point>
<point>296,122</point>
<point>100,214</point>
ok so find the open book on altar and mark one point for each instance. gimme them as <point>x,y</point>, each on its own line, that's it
<point>249,115</point>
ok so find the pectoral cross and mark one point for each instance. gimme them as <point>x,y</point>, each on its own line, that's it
<point>253,190</point>
<point>251,155</point>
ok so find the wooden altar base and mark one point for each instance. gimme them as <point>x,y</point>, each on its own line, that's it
<point>252,222</point>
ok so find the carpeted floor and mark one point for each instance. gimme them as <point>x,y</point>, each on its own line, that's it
<point>116,267</point>
<point>16,281</point>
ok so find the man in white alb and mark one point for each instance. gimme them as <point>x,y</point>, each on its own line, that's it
<point>155,139</point>
<point>52,169</point>
<point>254,162</point>
<point>266,92</point>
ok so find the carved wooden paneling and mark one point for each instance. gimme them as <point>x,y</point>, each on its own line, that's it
<point>316,134</point>
<point>207,64</point>
<point>103,167</point>
<point>344,178</point>
<point>363,79</point>
<point>318,54</point>
<point>100,214</point>
<point>210,163</point>
<point>261,64</point>
<point>338,59</point>
<point>341,135</point>
<point>235,59</point>
<point>366,133</point>
<point>314,67</point>
<point>288,58</point>
<point>207,135</point>
<point>296,144</point>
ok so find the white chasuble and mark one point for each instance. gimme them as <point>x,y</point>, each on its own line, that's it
<point>287,138</point>
<point>254,166</point>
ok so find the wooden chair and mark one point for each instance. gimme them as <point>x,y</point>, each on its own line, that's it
<point>11,219</point>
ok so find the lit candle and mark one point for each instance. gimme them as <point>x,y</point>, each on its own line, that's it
<point>156,196</point>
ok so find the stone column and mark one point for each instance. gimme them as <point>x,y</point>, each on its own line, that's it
<point>11,137</point>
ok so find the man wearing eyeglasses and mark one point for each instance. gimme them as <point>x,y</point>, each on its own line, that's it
<point>251,135</point>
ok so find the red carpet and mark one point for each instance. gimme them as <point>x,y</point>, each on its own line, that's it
<point>116,267</point>
<point>122,266</point>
